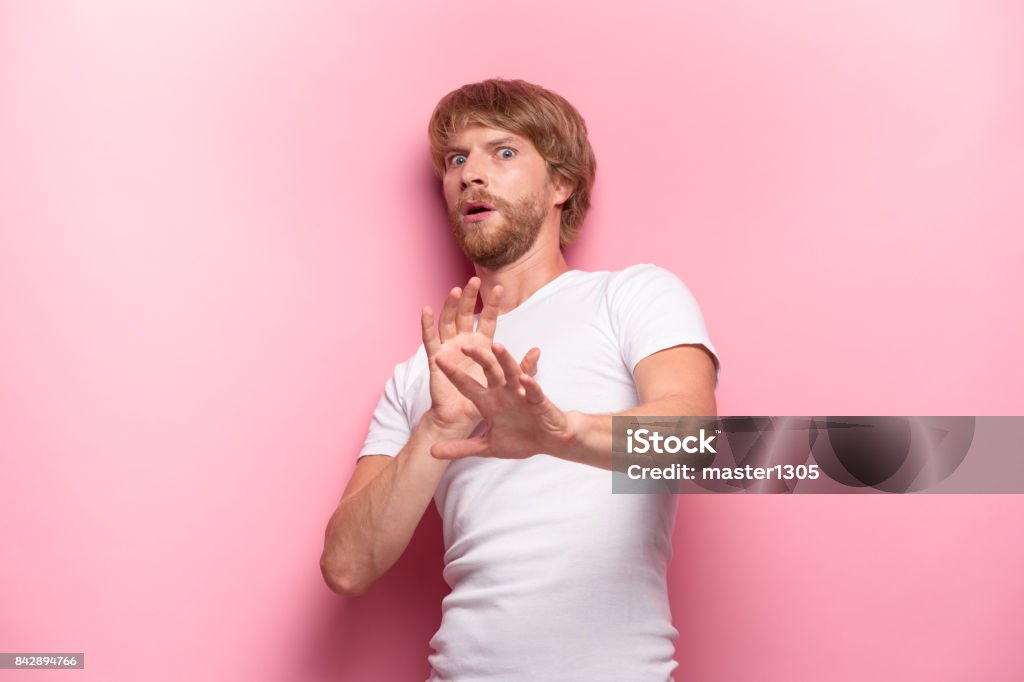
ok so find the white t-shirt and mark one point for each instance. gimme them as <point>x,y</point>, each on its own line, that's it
<point>552,576</point>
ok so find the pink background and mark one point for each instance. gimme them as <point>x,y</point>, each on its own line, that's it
<point>218,224</point>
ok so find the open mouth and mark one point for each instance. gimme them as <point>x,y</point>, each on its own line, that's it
<point>476,210</point>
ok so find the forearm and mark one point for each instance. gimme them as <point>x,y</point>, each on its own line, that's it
<point>373,525</point>
<point>591,441</point>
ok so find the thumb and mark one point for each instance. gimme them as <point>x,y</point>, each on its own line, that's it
<point>529,363</point>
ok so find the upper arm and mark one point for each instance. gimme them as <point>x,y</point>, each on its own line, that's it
<point>389,428</point>
<point>659,324</point>
<point>684,371</point>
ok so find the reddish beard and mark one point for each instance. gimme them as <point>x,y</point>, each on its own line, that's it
<point>501,238</point>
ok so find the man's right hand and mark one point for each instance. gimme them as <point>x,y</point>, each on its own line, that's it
<point>450,411</point>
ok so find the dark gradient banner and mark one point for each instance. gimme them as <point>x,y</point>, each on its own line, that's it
<point>818,455</point>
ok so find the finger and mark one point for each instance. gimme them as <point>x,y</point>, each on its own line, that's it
<point>529,363</point>
<point>467,385</point>
<point>534,394</point>
<point>430,341</point>
<point>492,369</point>
<point>467,304</point>
<point>489,315</point>
<point>508,363</point>
<point>448,312</point>
<point>457,449</point>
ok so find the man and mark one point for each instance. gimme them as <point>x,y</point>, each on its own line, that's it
<point>553,577</point>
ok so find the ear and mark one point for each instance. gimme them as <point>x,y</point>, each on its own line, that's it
<point>564,189</point>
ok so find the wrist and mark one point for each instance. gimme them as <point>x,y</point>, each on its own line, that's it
<point>439,429</point>
<point>568,443</point>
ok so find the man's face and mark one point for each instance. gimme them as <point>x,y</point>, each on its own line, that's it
<point>499,194</point>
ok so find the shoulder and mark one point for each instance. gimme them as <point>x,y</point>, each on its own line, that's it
<point>643,271</point>
<point>409,371</point>
<point>632,276</point>
<point>644,279</point>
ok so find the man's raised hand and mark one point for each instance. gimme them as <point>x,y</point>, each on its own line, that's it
<point>450,410</point>
<point>521,421</point>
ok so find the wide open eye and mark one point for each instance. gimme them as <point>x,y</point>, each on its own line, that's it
<point>510,152</point>
<point>456,159</point>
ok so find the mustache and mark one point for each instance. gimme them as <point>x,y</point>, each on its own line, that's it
<point>494,201</point>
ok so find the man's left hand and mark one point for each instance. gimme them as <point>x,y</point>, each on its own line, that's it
<point>520,420</point>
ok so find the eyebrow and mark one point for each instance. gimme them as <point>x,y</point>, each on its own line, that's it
<point>493,143</point>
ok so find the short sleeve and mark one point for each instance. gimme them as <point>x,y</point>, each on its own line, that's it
<point>651,310</point>
<point>390,426</point>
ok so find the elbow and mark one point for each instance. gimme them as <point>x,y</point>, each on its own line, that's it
<point>341,581</point>
<point>344,586</point>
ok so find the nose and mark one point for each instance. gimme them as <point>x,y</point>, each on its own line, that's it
<point>473,173</point>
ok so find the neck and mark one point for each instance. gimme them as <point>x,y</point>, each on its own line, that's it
<point>522,278</point>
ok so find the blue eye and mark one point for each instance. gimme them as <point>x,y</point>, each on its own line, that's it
<point>455,160</point>
<point>511,152</point>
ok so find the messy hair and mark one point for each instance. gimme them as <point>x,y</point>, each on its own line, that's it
<point>545,118</point>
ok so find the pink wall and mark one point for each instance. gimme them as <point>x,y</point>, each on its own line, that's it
<point>218,223</point>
